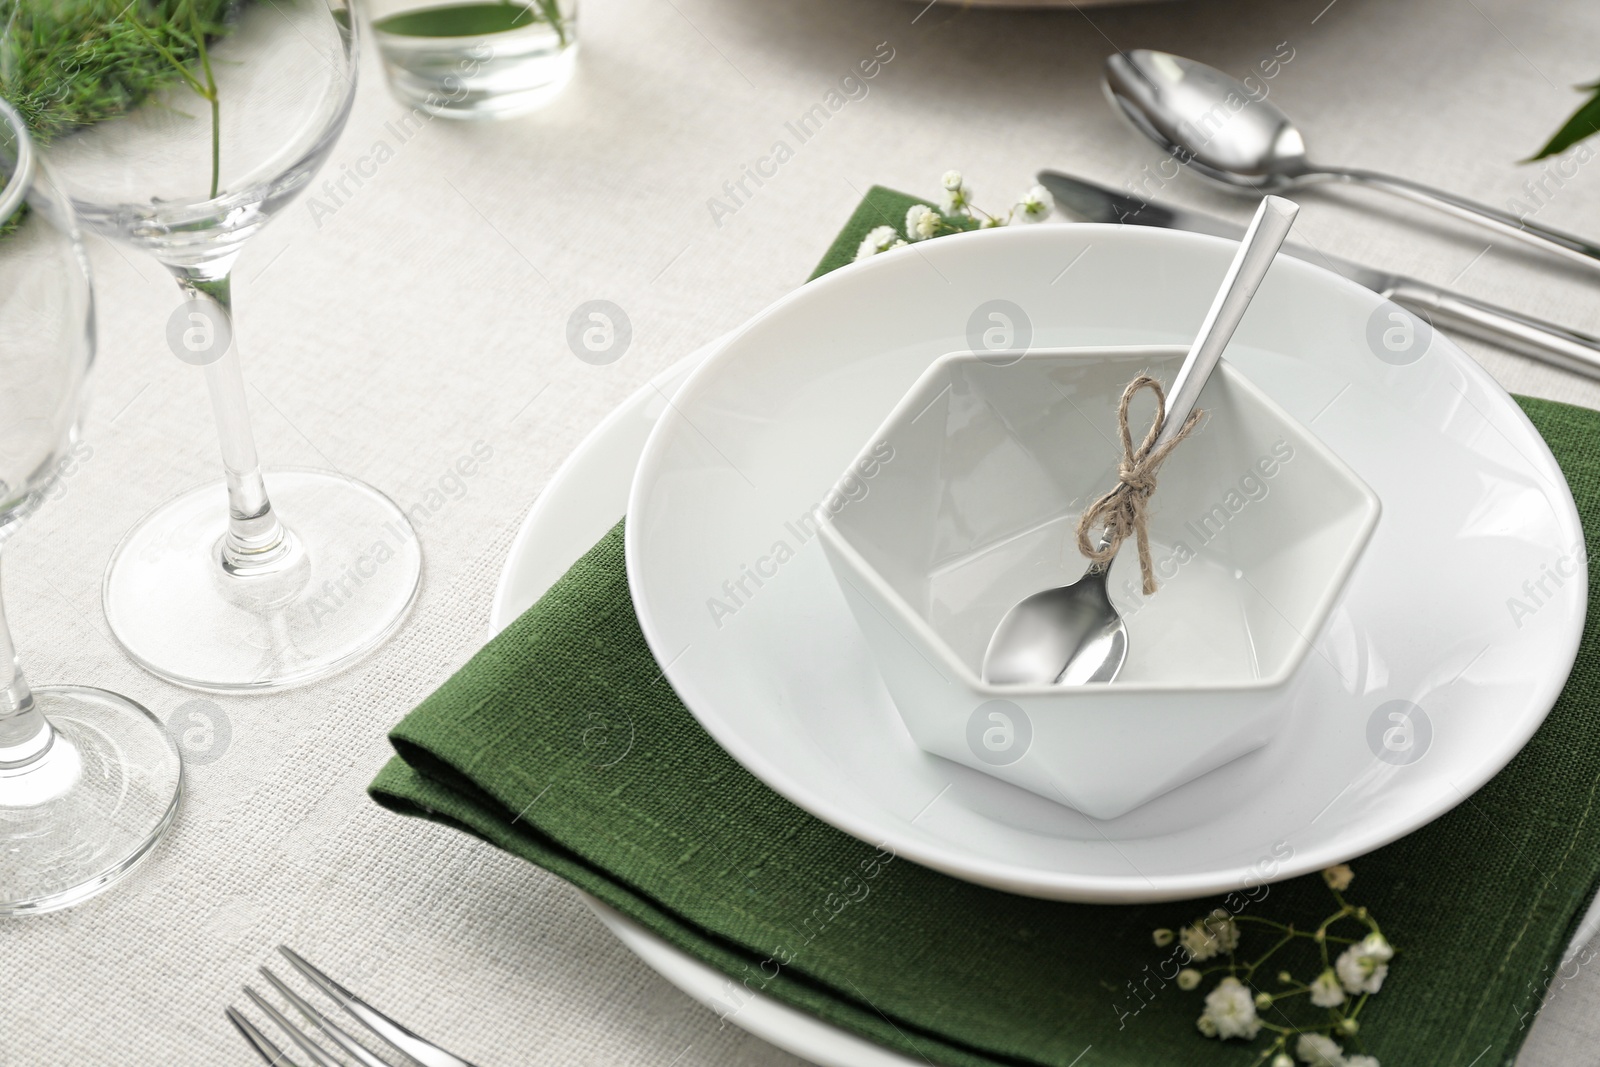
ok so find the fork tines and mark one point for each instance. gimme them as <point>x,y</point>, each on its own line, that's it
<point>413,1049</point>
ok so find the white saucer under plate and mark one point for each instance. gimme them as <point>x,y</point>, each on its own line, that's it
<point>584,499</point>
<point>1422,683</point>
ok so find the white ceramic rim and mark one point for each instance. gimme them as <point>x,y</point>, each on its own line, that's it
<point>1059,885</point>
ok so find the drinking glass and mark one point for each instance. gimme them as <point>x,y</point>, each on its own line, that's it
<point>88,779</point>
<point>476,59</point>
<point>219,113</point>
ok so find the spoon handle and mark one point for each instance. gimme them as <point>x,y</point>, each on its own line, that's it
<point>1501,222</point>
<point>1257,250</point>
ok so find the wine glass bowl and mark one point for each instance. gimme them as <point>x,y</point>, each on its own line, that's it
<point>265,579</point>
<point>46,305</point>
<point>89,780</point>
<point>189,180</point>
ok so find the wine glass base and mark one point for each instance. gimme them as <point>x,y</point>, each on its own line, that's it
<point>182,617</point>
<point>91,807</point>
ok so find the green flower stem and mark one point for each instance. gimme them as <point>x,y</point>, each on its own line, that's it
<point>206,90</point>
<point>211,95</point>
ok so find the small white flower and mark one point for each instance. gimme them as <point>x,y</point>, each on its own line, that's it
<point>957,196</point>
<point>1230,1011</point>
<point>922,222</point>
<point>1162,937</point>
<point>1036,204</point>
<point>1363,967</point>
<point>1188,978</point>
<point>989,222</point>
<point>1283,1059</point>
<point>1319,1050</point>
<point>1339,877</point>
<point>879,240</point>
<point>1215,934</point>
<point>1362,1061</point>
<point>1326,991</point>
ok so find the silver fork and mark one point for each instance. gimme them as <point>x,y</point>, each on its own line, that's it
<point>415,1050</point>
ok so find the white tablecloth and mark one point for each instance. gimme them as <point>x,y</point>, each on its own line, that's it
<point>427,313</point>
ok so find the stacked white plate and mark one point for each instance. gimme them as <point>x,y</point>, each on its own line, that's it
<point>1434,668</point>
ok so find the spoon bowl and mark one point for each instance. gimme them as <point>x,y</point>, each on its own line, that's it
<point>1207,120</point>
<point>1221,129</point>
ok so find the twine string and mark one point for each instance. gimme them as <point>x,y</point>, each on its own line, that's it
<point>1122,512</point>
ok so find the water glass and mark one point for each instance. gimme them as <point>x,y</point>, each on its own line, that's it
<point>476,59</point>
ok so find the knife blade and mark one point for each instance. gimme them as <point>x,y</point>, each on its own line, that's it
<point>1558,345</point>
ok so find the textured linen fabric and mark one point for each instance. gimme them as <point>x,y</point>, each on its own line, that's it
<point>430,311</point>
<point>561,743</point>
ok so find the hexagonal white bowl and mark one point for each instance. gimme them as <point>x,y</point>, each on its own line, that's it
<point>966,501</point>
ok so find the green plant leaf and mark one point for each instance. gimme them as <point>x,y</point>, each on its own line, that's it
<point>1585,122</point>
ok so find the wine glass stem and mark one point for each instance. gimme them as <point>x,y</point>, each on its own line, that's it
<point>256,541</point>
<point>24,733</point>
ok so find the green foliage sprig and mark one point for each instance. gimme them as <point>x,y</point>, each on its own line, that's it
<point>1584,122</point>
<point>65,64</point>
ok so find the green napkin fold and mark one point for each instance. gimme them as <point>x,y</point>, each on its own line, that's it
<point>561,743</point>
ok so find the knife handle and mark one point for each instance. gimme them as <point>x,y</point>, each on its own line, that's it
<point>1545,341</point>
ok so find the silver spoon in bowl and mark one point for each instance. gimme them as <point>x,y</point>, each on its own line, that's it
<point>1072,634</point>
<point>1220,129</point>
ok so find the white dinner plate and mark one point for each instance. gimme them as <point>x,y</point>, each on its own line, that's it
<point>1423,682</point>
<point>584,499</point>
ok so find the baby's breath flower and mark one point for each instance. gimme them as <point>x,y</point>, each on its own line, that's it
<point>1319,1050</point>
<point>957,196</point>
<point>1285,977</point>
<point>1339,877</point>
<point>989,222</point>
<point>1361,1061</point>
<point>1188,978</point>
<point>1212,936</point>
<point>1035,205</point>
<point>1362,967</point>
<point>1230,1011</point>
<point>1263,1001</point>
<point>1325,991</point>
<point>1283,1059</point>
<point>1162,937</point>
<point>922,222</point>
<point>878,240</point>
<point>1348,1027</point>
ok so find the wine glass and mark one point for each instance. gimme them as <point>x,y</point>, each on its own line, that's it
<point>88,779</point>
<point>222,112</point>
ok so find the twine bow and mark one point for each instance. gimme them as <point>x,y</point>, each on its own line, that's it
<point>1122,511</point>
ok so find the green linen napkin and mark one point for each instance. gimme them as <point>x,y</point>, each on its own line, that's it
<point>561,743</point>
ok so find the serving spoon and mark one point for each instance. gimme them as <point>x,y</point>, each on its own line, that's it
<point>1073,634</point>
<point>1222,130</point>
